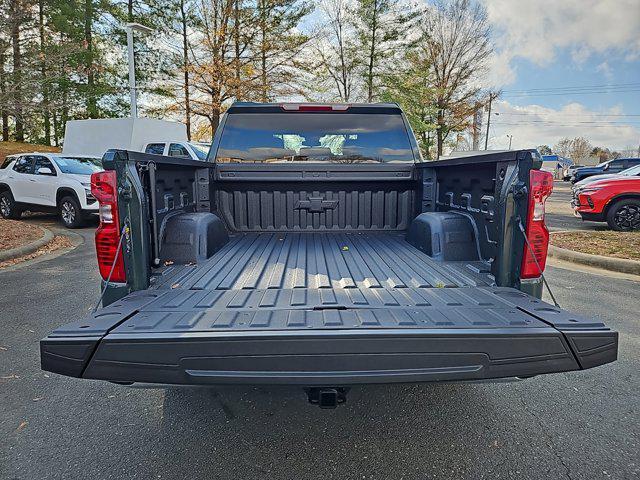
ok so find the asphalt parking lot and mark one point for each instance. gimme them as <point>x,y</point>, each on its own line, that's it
<point>581,425</point>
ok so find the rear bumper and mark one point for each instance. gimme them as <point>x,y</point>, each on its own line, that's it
<point>329,358</point>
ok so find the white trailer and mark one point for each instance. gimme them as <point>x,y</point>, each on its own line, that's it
<point>94,137</point>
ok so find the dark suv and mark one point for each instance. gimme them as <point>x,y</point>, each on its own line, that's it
<point>611,166</point>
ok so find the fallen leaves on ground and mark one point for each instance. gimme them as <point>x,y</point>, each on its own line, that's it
<point>21,426</point>
<point>14,233</point>
<point>10,148</point>
<point>607,243</point>
<point>56,243</point>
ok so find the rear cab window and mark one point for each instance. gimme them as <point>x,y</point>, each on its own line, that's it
<point>178,150</point>
<point>351,136</point>
<point>616,165</point>
<point>632,162</point>
<point>155,148</point>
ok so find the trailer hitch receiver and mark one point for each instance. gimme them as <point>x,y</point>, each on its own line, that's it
<point>327,397</point>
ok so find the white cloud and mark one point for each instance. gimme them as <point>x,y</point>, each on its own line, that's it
<point>534,125</point>
<point>606,70</point>
<point>536,30</point>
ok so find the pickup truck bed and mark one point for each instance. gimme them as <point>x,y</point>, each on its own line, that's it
<point>316,249</point>
<point>327,308</point>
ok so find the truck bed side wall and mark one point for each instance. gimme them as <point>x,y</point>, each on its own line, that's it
<point>179,186</point>
<point>492,190</point>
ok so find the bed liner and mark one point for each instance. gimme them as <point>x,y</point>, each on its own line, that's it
<point>322,260</point>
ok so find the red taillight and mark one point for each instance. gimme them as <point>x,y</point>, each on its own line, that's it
<point>540,187</point>
<point>105,188</point>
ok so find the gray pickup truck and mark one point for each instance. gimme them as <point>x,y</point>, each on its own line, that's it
<point>316,249</point>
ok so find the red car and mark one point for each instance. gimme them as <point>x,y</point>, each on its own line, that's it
<point>614,200</point>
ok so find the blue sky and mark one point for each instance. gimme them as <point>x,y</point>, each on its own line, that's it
<point>564,46</point>
<point>564,72</point>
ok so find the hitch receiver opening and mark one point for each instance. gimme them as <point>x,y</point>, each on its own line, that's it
<point>327,397</point>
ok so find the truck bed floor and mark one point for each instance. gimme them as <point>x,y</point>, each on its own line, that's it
<point>322,260</point>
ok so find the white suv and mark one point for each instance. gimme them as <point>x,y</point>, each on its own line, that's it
<point>48,182</point>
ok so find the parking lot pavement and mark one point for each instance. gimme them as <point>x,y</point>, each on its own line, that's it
<point>559,214</point>
<point>577,425</point>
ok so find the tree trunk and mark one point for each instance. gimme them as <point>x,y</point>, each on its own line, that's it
<point>3,92</point>
<point>185,66</point>
<point>65,114</point>
<point>439,134</point>
<point>236,44</point>
<point>214,119</point>
<point>43,70</point>
<point>372,53</point>
<point>92,104</point>
<point>15,14</point>
<point>263,65</point>
<point>54,117</point>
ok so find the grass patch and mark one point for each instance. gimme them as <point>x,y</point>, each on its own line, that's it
<point>9,148</point>
<point>607,243</point>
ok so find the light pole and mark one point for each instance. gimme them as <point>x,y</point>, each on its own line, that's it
<point>130,27</point>
<point>510,138</point>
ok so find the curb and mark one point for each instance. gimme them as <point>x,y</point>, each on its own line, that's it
<point>29,248</point>
<point>605,263</point>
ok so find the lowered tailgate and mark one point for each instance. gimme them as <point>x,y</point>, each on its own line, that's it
<point>326,336</point>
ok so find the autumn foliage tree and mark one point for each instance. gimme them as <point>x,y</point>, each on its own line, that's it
<point>456,41</point>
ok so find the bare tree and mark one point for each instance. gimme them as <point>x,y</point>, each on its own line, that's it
<point>563,147</point>
<point>577,149</point>
<point>214,65</point>
<point>334,51</point>
<point>456,40</point>
<point>580,149</point>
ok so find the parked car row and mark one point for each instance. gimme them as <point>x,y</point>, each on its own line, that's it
<point>611,197</point>
<point>609,167</point>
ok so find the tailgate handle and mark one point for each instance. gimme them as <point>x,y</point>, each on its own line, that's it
<point>329,307</point>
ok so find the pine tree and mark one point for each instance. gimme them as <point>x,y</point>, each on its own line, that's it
<point>277,46</point>
<point>411,86</point>
<point>382,28</point>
